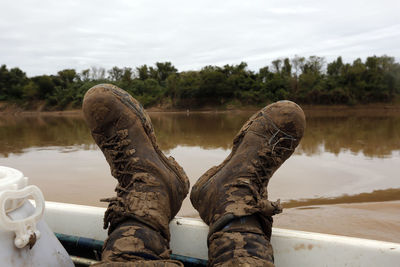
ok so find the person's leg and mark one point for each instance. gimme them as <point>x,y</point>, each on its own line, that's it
<point>232,198</point>
<point>150,187</point>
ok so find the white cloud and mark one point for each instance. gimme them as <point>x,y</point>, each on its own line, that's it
<point>46,36</point>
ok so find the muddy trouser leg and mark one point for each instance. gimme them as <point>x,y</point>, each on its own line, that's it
<point>151,187</point>
<point>242,242</point>
<point>133,243</point>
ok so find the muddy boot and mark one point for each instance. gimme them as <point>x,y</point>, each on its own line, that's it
<point>150,187</point>
<point>232,198</point>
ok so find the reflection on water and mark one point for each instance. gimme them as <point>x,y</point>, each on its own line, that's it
<point>339,154</point>
<point>21,132</point>
<point>374,136</point>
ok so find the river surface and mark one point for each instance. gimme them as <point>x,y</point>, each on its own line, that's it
<point>345,157</point>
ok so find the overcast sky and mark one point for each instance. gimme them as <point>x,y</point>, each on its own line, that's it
<point>43,37</point>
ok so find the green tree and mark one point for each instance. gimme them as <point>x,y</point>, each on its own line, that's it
<point>164,69</point>
<point>300,79</point>
<point>67,76</point>
<point>11,83</point>
<point>287,68</point>
<point>143,72</point>
<point>85,75</point>
<point>277,65</point>
<point>31,91</point>
<point>127,75</point>
<point>115,74</point>
<point>45,86</point>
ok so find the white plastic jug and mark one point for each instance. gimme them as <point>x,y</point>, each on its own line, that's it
<point>25,239</point>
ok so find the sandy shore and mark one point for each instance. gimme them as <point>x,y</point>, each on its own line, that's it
<point>373,220</point>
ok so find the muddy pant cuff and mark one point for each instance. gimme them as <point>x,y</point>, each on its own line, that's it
<point>256,223</point>
<point>132,241</point>
<point>241,242</point>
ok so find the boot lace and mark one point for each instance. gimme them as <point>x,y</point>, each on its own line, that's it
<point>271,155</point>
<point>123,166</point>
<point>121,159</point>
<point>273,152</point>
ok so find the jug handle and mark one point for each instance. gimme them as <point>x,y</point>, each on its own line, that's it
<point>25,229</point>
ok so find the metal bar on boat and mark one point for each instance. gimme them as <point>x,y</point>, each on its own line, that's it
<point>82,261</point>
<point>90,247</point>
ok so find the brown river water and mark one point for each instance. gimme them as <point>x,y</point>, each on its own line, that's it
<point>346,156</point>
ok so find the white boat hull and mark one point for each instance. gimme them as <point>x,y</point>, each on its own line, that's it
<point>189,238</point>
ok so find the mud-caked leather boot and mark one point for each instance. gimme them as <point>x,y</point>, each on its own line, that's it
<point>232,198</point>
<point>150,189</point>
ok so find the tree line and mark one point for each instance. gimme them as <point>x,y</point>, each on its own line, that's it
<point>305,80</point>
